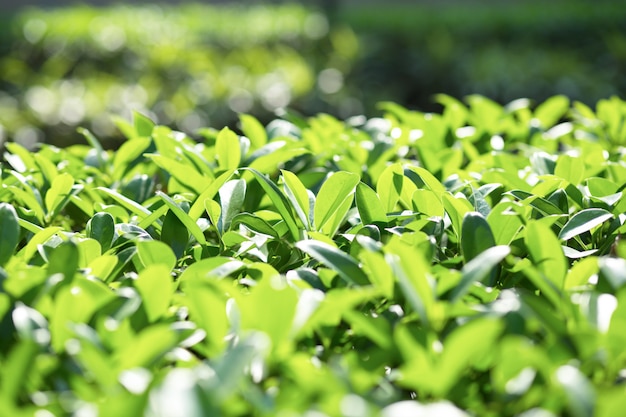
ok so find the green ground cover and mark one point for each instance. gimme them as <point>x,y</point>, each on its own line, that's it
<point>467,262</point>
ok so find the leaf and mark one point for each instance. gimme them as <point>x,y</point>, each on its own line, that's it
<point>197,208</point>
<point>9,232</point>
<point>298,196</point>
<point>155,284</point>
<point>570,168</point>
<point>478,269</point>
<point>185,174</point>
<point>369,206</point>
<point>550,111</point>
<point>136,208</point>
<point>63,260</point>
<point>426,202</point>
<point>412,274</point>
<point>59,193</point>
<point>207,308</point>
<point>464,347</point>
<point>456,209</point>
<point>504,223</point>
<point>227,149</point>
<point>389,187</point>
<point>476,235</point>
<point>280,202</point>
<point>254,130</point>
<point>187,221</point>
<point>143,125</point>
<point>149,346</point>
<point>128,153</point>
<point>276,321</point>
<point>334,192</point>
<point>101,227</point>
<point>584,221</point>
<point>154,252</point>
<point>546,253</point>
<point>333,258</point>
<point>255,223</point>
<point>232,196</point>
<point>174,234</point>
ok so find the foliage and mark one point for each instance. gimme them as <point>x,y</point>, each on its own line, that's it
<point>504,50</point>
<point>462,263</point>
<point>184,65</point>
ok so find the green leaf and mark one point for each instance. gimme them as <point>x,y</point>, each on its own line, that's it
<point>232,196</point>
<point>187,221</point>
<point>152,344</point>
<point>101,227</point>
<point>59,193</point>
<point>153,252</point>
<point>466,346</point>
<point>127,154</point>
<point>134,207</point>
<point>198,207</point>
<point>546,253</point>
<point>478,269</point>
<point>253,130</point>
<point>63,260</point>
<point>254,223</point>
<point>9,232</point>
<point>389,187</point>
<point>369,206</point>
<point>298,196</point>
<point>207,308</point>
<point>570,168</point>
<point>155,284</point>
<point>333,258</point>
<point>427,202</point>
<point>504,222</point>
<point>143,125</point>
<point>550,111</point>
<point>476,235</point>
<point>334,192</point>
<point>174,234</point>
<point>456,209</point>
<point>227,149</point>
<point>584,221</point>
<point>276,321</point>
<point>280,202</point>
<point>185,174</point>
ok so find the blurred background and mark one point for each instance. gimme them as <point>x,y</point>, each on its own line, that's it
<point>192,65</point>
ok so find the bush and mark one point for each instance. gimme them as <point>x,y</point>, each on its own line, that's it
<point>468,262</point>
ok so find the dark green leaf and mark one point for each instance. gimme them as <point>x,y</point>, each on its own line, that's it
<point>9,232</point>
<point>101,227</point>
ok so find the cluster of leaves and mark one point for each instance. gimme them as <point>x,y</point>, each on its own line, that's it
<point>186,66</point>
<point>462,263</point>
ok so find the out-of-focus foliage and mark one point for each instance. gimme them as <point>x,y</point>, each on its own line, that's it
<point>186,66</point>
<point>195,65</point>
<point>502,49</point>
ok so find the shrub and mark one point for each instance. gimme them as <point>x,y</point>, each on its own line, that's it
<point>467,262</point>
